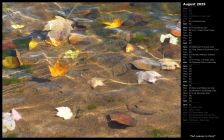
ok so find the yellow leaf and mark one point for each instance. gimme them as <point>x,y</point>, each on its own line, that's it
<point>114,24</point>
<point>58,69</point>
<point>129,48</point>
<point>17,26</point>
<point>71,54</point>
<point>10,62</point>
<point>33,44</point>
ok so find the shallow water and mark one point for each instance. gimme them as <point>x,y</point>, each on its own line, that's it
<point>103,56</point>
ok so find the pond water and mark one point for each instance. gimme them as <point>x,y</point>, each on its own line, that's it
<point>52,51</point>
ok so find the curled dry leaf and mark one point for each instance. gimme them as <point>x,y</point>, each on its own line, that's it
<point>64,112</point>
<point>150,76</point>
<point>94,82</point>
<point>58,69</point>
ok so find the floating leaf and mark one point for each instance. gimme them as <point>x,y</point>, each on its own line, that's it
<point>17,26</point>
<point>129,48</point>
<point>64,112</point>
<point>33,44</point>
<point>114,24</point>
<point>58,69</point>
<point>71,54</point>
<point>94,82</point>
<point>16,115</point>
<point>150,76</point>
<point>10,62</point>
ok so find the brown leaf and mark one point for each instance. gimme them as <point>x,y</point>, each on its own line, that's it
<point>122,118</point>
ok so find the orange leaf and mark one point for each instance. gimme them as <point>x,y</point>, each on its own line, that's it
<point>58,69</point>
<point>175,32</point>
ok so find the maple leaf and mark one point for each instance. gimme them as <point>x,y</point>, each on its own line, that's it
<point>114,24</point>
<point>58,69</point>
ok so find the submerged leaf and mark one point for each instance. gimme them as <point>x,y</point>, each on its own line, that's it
<point>10,62</point>
<point>64,112</point>
<point>33,44</point>
<point>129,48</point>
<point>17,26</point>
<point>58,69</point>
<point>94,82</point>
<point>150,76</point>
<point>71,54</point>
<point>114,24</point>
